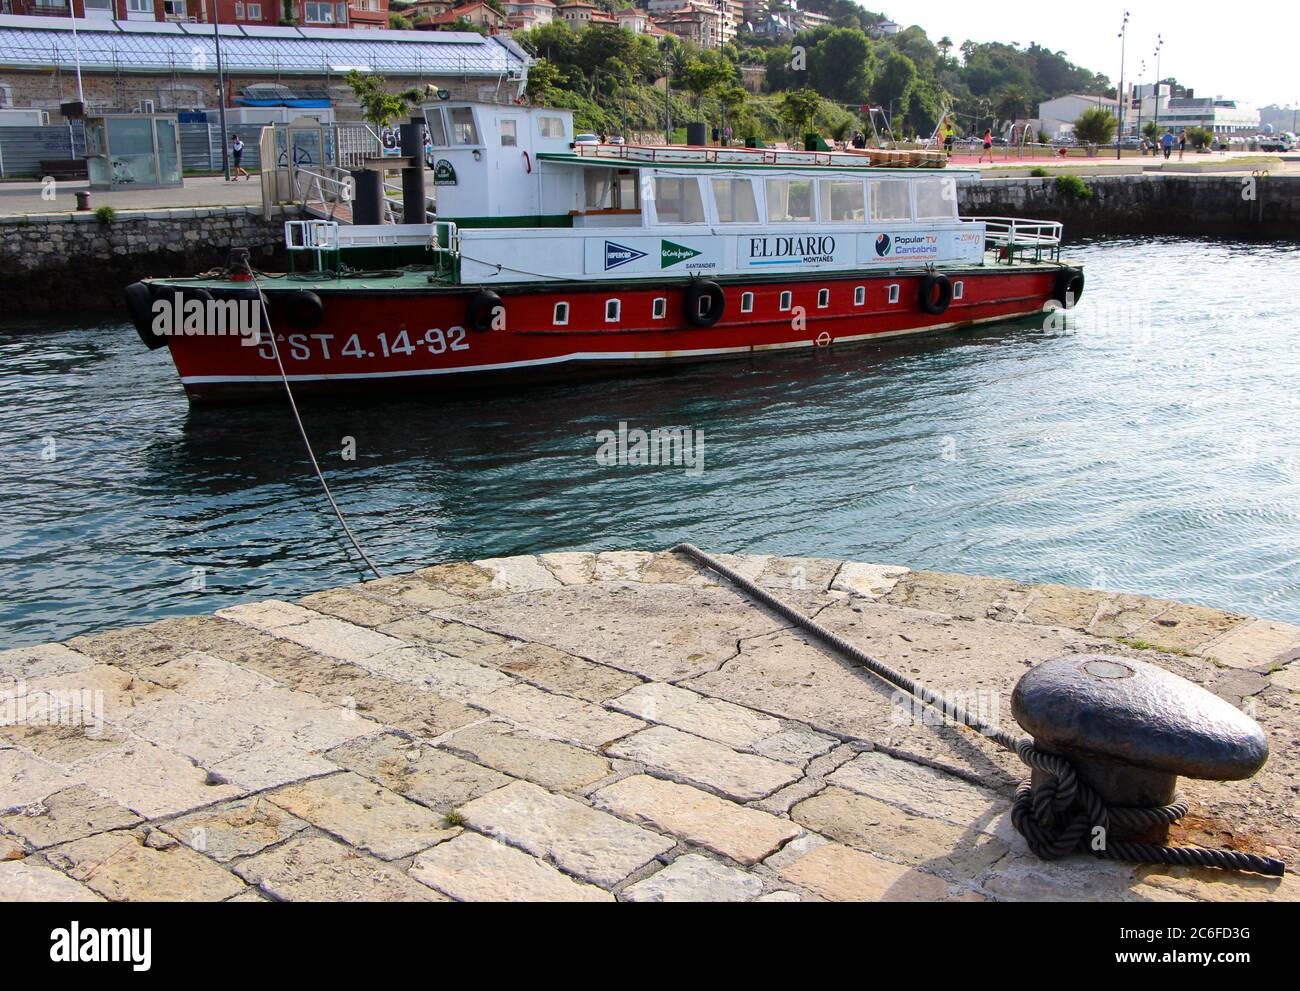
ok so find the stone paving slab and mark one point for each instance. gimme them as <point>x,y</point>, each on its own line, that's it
<point>615,725</point>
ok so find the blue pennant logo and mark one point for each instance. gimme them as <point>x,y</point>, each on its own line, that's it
<point>883,244</point>
<point>620,254</point>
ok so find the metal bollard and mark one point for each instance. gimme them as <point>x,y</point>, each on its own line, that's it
<point>1131,728</point>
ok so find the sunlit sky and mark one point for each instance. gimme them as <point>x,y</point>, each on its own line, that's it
<point>1242,51</point>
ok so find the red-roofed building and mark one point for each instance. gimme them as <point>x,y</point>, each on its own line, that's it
<point>524,14</point>
<point>474,13</point>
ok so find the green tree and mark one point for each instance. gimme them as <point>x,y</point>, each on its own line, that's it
<point>378,106</point>
<point>1095,126</point>
<point>798,108</point>
<point>894,83</point>
<point>543,78</point>
<point>398,22</point>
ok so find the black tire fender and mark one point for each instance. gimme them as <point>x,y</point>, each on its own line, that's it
<point>300,309</point>
<point>482,310</point>
<point>139,304</point>
<point>698,315</point>
<point>1069,287</point>
<point>930,302</point>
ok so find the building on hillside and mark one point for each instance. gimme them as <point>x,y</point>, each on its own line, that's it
<point>576,12</point>
<point>524,14</point>
<point>164,67</point>
<point>695,23</point>
<point>474,13</point>
<point>1058,116</point>
<point>884,29</point>
<point>308,13</point>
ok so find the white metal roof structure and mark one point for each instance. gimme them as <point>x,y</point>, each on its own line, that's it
<point>140,46</point>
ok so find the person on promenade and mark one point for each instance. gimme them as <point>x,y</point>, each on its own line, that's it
<point>1168,142</point>
<point>988,146</point>
<point>1182,144</point>
<point>237,155</point>
<point>949,136</point>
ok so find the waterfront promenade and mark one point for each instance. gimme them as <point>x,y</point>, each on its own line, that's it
<point>597,727</point>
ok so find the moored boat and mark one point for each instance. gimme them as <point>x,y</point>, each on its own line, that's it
<point>551,258</point>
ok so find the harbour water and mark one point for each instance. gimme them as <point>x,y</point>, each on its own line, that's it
<point>1147,445</point>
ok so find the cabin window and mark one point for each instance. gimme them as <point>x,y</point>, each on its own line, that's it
<point>509,133</point>
<point>859,295</point>
<point>612,309</point>
<point>890,200</point>
<point>936,199</point>
<point>789,200</point>
<point>437,128</point>
<point>660,307</point>
<point>958,290</point>
<point>823,298</point>
<point>704,306</point>
<point>610,189</point>
<point>735,201</point>
<point>561,316</point>
<point>787,298</point>
<point>843,201</point>
<point>463,131</point>
<point>893,294</point>
<point>746,302</point>
<point>678,200</point>
<point>550,127</point>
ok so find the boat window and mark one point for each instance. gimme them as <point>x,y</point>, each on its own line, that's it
<point>612,309</point>
<point>890,200</point>
<point>935,198</point>
<point>893,294</point>
<point>859,295</point>
<point>508,133</point>
<point>678,200</point>
<point>550,127</point>
<point>746,302</point>
<point>610,189</point>
<point>735,201</point>
<point>660,307</point>
<point>786,299</point>
<point>437,128</point>
<point>789,200</point>
<point>958,290</point>
<point>561,316</point>
<point>463,131</point>
<point>843,200</point>
<point>823,298</point>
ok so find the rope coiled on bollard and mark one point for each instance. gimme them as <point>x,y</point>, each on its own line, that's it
<point>1059,815</point>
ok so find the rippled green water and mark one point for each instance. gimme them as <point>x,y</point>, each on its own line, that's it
<point>1149,447</point>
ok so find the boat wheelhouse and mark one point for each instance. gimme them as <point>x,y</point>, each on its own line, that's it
<point>549,258</point>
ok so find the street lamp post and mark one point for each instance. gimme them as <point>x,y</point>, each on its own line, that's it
<point>221,91</point>
<point>1142,74</point>
<point>1160,43</point>
<point>1123,40</point>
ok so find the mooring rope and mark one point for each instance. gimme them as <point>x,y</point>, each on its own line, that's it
<point>302,430</point>
<point>1057,816</point>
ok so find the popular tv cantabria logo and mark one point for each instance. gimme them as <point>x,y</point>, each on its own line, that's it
<point>883,244</point>
<point>620,254</point>
<point>179,316</point>
<point>103,945</point>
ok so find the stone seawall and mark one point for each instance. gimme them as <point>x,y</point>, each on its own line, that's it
<point>1223,205</point>
<point>61,262</point>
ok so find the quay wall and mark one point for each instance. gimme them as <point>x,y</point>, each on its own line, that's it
<point>1191,205</point>
<point>62,262</point>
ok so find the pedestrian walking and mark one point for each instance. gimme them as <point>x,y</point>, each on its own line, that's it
<point>1182,144</point>
<point>988,146</point>
<point>1167,142</point>
<point>237,156</point>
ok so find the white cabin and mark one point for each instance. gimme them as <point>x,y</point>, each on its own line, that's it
<point>530,204</point>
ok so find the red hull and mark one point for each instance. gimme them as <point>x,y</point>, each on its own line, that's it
<point>381,339</point>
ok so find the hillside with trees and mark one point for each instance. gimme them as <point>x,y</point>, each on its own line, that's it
<point>618,82</point>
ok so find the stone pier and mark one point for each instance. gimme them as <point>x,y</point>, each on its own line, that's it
<point>602,727</point>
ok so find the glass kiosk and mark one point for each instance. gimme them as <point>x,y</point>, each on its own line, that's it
<point>133,151</point>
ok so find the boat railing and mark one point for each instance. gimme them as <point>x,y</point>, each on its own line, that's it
<point>329,237</point>
<point>323,188</point>
<point>1013,237</point>
<point>738,155</point>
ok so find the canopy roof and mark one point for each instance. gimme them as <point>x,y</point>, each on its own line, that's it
<point>139,46</point>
